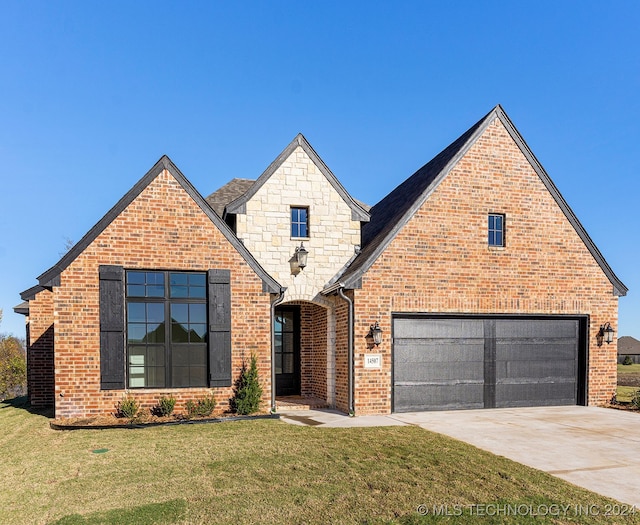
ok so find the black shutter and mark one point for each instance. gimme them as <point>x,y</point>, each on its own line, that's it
<point>112,373</point>
<point>219,327</point>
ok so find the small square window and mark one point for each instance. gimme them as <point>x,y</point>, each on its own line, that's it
<point>299,222</point>
<point>496,229</point>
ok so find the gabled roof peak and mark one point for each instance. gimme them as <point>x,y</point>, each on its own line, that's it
<point>358,213</point>
<point>390,214</point>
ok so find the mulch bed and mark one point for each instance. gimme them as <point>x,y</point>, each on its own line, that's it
<point>107,422</point>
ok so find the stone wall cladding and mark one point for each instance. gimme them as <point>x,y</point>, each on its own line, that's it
<point>40,372</point>
<point>163,228</point>
<point>441,262</point>
<point>265,228</point>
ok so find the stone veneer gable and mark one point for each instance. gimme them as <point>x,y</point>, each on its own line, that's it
<point>265,227</point>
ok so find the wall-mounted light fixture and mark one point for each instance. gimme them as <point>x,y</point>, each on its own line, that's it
<point>375,334</point>
<point>299,259</point>
<point>605,334</point>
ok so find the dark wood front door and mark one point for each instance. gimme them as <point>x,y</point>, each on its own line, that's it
<point>287,332</point>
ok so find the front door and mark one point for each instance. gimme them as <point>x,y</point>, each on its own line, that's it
<point>287,335</point>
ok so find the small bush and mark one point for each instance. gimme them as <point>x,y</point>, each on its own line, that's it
<point>627,360</point>
<point>165,406</point>
<point>201,408</point>
<point>247,390</point>
<point>128,407</point>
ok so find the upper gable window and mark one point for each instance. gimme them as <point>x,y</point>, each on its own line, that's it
<point>299,222</point>
<point>496,229</point>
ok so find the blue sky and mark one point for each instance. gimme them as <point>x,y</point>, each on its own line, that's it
<point>92,94</point>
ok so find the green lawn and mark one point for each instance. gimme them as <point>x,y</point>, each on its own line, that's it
<point>629,369</point>
<point>266,471</point>
<point>624,394</point>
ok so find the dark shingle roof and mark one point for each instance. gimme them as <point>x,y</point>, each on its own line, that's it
<point>393,212</point>
<point>229,192</point>
<point>628,345</point>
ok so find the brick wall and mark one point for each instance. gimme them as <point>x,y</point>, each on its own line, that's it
<point>40,373</point>
<point>162,228</point>
<point>440,262</point>
<point>313,350</point>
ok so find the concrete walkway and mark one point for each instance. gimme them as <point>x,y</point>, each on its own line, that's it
<point>594,448</point>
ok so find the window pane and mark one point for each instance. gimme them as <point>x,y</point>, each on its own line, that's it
<point>135,277</point>
<point>155,291</point>
<point>197,376</point>
<point>179,333</point>
<point>197,292</point>
<point>197,279</point>
<point>180,313</point>
<point>155,355</point>
<point>136,313</point>
<point>197,313</point>
<point>155,376</point>
<point>197,333</point>
<point>287,363</point>
<point>278,363</point>
<point>179,278</point>
<point>156,278</point>
<point>198,355</point>
<point>137,355</point>
<point>155,333</point>
<point>136,332</point>
<point>180,355</point>
<point>135,290</point>
<point>155,312</point>
<point>179,291</point>
<point>180,376</point>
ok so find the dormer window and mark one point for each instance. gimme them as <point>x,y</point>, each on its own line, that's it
<point>299,222</point>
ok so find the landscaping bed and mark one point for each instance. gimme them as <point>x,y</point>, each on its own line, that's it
<point>106,422</point>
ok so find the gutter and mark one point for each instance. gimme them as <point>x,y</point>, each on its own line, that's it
<point>274,303</point>
<point>340,291</point>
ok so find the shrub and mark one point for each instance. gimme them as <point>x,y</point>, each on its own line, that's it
<point>627,360</point>
<point>202,407</point>
<point>247,390</point>
<point>128,407</point>
<point>13,367</point>
<point>165,406</point>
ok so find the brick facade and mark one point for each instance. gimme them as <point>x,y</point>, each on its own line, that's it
<point>436,262</point>
<point>40,338</point>
<point>163,228</point>
<point>440,262</point>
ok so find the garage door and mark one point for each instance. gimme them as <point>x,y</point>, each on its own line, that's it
<point>472,362</point>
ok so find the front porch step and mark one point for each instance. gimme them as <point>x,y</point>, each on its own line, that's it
<point>300,403</point>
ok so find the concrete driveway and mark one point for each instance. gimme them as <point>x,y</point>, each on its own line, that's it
<point>595,448</point>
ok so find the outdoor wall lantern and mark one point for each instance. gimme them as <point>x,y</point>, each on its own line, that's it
<point>605,334</point>
<point>375,334</point>
<point>299,259</point>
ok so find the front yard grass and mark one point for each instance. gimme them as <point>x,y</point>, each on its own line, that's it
<point>264,471</point>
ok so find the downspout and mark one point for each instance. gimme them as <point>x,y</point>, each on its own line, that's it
<point>274,303</point>
<point>349,349</point>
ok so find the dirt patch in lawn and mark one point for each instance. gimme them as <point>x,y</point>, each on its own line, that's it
<point>629,379</point>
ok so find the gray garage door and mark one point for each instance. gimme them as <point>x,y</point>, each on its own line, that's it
<point>456,363</point>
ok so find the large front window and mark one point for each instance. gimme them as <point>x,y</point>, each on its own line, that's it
<point>166,329</point>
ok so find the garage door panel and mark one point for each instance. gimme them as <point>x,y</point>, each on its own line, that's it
<point>416,397</point>
<point>535,394</point>
<point>565,351</point>
<point>536,370</point>
<point>438,328</point>
<point>440,371</point>
<point>444,364</point>
<point>536,328</point>
<point>416,351</point>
